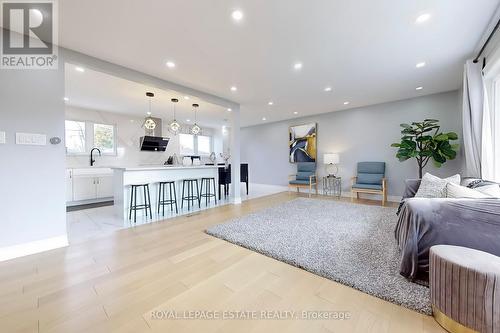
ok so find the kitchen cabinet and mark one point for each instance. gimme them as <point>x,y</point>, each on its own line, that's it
<point>89,185</point>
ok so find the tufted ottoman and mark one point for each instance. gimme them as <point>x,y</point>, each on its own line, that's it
<point>465,289</point>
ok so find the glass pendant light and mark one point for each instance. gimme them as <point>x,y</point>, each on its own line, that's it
<point>195,130</point>
<point>174,125</point>
<point>149,123</point>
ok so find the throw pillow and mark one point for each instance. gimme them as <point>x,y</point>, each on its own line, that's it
<point>457,191</point>
<point>435,187</point>
<point>491,190</point>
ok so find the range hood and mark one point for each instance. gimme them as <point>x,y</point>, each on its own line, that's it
<point>153,139</point>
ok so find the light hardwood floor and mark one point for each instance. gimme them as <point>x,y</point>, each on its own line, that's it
<point>112,284</point>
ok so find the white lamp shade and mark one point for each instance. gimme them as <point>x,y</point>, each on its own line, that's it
<point>330,158</point>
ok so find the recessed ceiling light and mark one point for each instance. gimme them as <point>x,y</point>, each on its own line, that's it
<point>233,88</point>
<point>297,66</point>
<point>420,64</point>
<point>346,102</point>
<point>188,120</point>
<point>328,89</point>
<point>264,118</point>
<point>229,109</point>
<point>295,112</point>
<point>423,18</point>
<point>270,103</point>
<point>80,69</point>
<point>186,97</point>
<point>170,64</point>
<point>66,99</point>
<point>419,88</point>
<point>237,15</point>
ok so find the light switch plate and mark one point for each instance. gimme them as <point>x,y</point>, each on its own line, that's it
<point>2,137</point>
<point>31,139</point>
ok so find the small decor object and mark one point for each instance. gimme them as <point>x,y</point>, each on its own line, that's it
<point>418,142</point>
<point>149,122</point>
<point>331,161</point>
<point>212,157</point>
<point>195,130</point>
<point>302,143</point>
<point>187,161</point>
<point>174,126</point>
<point>332,186</point>
<point>225,156</point>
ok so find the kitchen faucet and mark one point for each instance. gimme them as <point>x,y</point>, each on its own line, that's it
<point>92,160</point>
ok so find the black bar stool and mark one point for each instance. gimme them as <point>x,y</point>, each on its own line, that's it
<point>172,198</point>
<point>133,201</point>
<point>190,197</point>
<point>208,191</point>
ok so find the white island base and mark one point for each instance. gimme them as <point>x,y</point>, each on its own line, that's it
<point>124,177</point>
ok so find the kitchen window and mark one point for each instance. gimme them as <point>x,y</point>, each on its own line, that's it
<point>82,136</point>
<point>195,145</point>
<point>75,137</point>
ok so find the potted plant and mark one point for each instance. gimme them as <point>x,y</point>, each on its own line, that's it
<point>423,141</point>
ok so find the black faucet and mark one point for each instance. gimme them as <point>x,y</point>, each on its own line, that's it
<point>92,161</point>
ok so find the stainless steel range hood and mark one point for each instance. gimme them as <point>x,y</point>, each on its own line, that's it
<point>153,139</point>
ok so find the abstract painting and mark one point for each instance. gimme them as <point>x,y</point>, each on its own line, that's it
<point>302,143</point>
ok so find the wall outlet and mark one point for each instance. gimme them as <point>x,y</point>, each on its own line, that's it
<point>31,139</point>
<point>2,137</point>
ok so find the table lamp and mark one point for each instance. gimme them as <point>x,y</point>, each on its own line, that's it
<point>331,161</point>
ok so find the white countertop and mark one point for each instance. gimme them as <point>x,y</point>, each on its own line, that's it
<point>164,167</point>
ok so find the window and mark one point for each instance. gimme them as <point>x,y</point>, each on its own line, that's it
<point>186,144</point>
<point>195,145</point>
<point>82,136</point>
<point>204,145</point>
<point>104,138</point>
<point>75,137</point>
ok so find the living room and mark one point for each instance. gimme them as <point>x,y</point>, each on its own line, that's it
<point>250,166</point>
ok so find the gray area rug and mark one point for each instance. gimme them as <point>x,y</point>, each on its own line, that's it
<point>349,243</point>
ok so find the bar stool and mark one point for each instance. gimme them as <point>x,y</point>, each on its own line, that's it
<point>133,201</point>
<point>190,197</point>
<point>172,199</point>
<point>208,194</point>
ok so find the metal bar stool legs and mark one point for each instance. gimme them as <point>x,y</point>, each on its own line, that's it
<point>172,197</point>
<point>208,190</point>
<point>146,206</point>
<point>190,197</point>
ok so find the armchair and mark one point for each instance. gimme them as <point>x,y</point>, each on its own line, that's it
<point>370,179</point>
<point>305,177</point>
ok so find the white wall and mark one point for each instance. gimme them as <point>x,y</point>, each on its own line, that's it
<point>32,188</point>
<point>360,134</point>
<point>128,130</point>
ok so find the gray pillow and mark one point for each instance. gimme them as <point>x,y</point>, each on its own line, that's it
<point>435,187</point>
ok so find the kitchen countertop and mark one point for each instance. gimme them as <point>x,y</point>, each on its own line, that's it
<point>164,167</point>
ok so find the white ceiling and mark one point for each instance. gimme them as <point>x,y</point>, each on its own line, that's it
<point>365,50</point>
<point>100,91</point>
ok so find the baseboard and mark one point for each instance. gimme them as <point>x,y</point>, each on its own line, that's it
<point>21,250</point>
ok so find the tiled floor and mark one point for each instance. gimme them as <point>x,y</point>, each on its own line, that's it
<point>98,222</point>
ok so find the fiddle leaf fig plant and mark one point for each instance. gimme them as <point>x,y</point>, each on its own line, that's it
<point>423,141</point>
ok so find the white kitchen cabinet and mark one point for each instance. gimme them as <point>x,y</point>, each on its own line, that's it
<point>88,185</point>
<point>84,188</point>
<point>104,187</point>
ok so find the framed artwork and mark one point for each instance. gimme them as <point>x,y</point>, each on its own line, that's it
<point>302,143</point>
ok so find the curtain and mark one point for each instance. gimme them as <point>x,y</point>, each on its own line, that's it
<point>473,103</point>
<point>487,151</point>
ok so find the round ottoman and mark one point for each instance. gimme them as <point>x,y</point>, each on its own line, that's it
<point>465,289</point>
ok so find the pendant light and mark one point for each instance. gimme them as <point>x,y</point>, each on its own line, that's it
<point>149,122</point>
<point>174,125</point>
<point>195,130</point>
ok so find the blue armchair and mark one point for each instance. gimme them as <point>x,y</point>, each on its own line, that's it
<point>370,179</point>
<point>305,177</point>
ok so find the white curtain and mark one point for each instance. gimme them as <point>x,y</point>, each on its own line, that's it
<point>473,104</point>
<point>488,144</point>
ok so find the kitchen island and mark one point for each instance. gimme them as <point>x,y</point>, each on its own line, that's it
<point>152,175</point>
